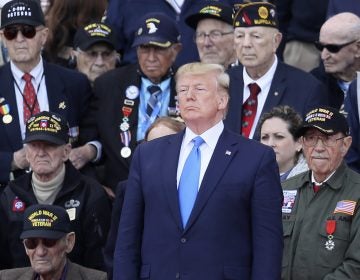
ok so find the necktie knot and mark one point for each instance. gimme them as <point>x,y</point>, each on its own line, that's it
<point>316,187</point>
<point>154,90</point>
<point>198,141</point>
<point>27,77</point>
<point>254,89</point>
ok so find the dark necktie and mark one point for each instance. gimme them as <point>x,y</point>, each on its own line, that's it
<point>249,109</point>
<point>153,101</point>
<point>316,187</point>
<point>189,180</point>
<point>30,102</point>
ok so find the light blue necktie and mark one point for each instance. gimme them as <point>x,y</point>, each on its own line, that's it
<point>153,102</point>
<point>189,180</point>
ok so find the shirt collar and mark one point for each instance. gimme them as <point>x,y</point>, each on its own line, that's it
<point>36,72</point>
<point>210,136</point>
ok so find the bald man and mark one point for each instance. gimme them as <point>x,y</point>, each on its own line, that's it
<point>339,43</point>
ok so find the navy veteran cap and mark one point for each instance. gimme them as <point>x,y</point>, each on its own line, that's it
<point>47,126</point>
<point>22,12</point>
<point>211,9</point>
<point>256,14</point>
<point>93,33</point>
<point>326,119</point>
<point>156,29</point>
<point>45,221</point>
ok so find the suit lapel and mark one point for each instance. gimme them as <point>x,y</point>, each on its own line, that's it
<point>170,164</point>
<point>224,152</point>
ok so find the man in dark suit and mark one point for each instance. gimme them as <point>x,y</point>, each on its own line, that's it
<point>50,88</point>
<point>47,239</point>
<point>256,40</point>
<point>123,96</point>
<point>210,208</point>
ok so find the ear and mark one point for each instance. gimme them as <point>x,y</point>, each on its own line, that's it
<point>66,152</point>
<point>298,145</point>
<point>277,40</point>
<point>176,48</point>
<point>70,242</point>
<point>223,100</point>
<point>44,35</point>
<point>346,145</point>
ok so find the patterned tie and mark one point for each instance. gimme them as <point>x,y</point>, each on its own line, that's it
<point>153,102</point>
<point>30,104</point>
<point>189,180</point>
<point>249,109</point>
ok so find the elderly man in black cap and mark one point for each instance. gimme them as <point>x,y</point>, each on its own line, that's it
<point>262,81</point>
<point>214,36</point>
<point>54,180</point>
<point>30,85</point>
<point>321,218</point>
<point>128,99</point>
<point>48,238</point>
<point>94,50</point>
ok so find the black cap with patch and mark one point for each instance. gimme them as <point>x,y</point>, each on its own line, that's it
<point>47,126</point>
<point>326,119</point>
<point>22,12</point>
<point>45,221</point>
<point>93,33</point>
<point>256,14</point>
<point>211,9</point>
<point>156,29</point>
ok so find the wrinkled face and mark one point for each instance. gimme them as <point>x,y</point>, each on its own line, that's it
<point>338,62</point>
<point>275,133</point>
<point>50,261</point>
<point>95,61</point>
<point>46,159</point>
<point>255,46</point>
<point>322,159</point>
<point>23,50</point>
<point>201,100</point>
<point>215,42</point>
<point>155,62</point>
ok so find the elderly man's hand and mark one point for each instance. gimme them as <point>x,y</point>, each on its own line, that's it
<point>82,155</point>
<point>19,160</point>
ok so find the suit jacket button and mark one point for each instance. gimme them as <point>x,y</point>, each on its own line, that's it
<point>177,276</point>
<point>183,240</point>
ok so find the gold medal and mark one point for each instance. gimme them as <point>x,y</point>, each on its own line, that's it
<point>125,152</point>
<point>7,118</point>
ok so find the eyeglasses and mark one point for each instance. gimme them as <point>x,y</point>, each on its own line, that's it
<point>28,31</point>
<point>93,55</point>
<point>214,35</point>
<point>328,141</point>
<point>32,243</point>
<point>333,48</point>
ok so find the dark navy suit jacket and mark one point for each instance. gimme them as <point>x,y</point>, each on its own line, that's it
<point>289,86</point>
<point>234,230</point>
<point>68,93</point>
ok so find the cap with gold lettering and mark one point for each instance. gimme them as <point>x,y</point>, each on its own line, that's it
<point>45,221</point>
<point>326,119</point>
<point>47,126</point>
<point>256,14</point>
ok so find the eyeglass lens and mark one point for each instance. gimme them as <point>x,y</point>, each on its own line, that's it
<point>28,31</point>
<point>331,47</point>
<point>32,243</point>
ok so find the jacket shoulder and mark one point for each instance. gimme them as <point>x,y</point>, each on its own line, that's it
<point>80,272</point>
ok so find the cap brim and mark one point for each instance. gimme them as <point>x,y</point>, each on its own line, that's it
<point>193,20</point>
<point>301,131</point>
<point>38,233</point>
<point>89,43</point>
<point>46,138</point>
<point>151,40</point>
<point>22,21</point>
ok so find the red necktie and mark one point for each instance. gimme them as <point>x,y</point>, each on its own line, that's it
<point>30,104</point>
<point>249,109</point>
<point>316,187</point>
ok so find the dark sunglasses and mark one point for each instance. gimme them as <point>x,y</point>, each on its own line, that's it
<point>332,47</point>
<point>32,243</point>
<point>28,31</point>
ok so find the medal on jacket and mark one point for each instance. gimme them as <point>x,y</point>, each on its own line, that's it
<point>125,134</point>
<point>5,112</point>
<point>330,229</point>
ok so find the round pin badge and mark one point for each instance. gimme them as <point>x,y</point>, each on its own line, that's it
<point>124,126</point>
<point>7,119</point>
<point>132,92</point>
<point>125,152</point>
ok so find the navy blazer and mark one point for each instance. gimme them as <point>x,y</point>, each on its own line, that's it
<point>110,92</point>
<point>234,230</point>
<point>68,93</point>
<point>289,86</point>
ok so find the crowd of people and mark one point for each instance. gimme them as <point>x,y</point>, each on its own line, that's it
<point>179,139</point>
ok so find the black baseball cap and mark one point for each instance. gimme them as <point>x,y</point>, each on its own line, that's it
<point>326,119</point>
<point>93,33</point>
<point>211,9</point>
<point>256,14</point>
<point>22,12</point>
<point>45,221</point>
<point>156,29</point>
<point>47,126</point>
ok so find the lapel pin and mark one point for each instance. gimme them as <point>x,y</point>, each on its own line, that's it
<point>276,93</point>
<point>62,105</point>
<point>228,153</point>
